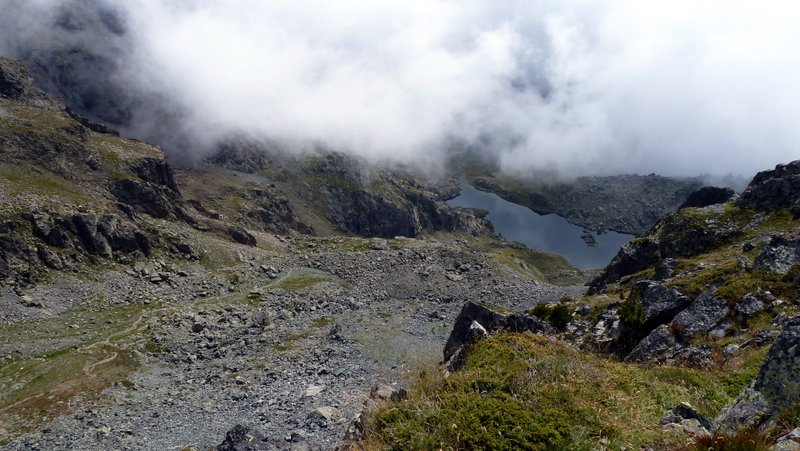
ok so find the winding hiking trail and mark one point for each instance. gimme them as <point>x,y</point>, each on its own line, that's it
<point>89,368</point>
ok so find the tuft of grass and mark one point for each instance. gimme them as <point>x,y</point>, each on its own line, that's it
<point>520,391</point>
<point>320,323</point>
<point>741,441</point>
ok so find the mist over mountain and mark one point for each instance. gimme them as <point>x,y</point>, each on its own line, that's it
<point>574,87</point>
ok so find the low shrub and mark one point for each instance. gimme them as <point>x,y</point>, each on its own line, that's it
<point>558,315</point>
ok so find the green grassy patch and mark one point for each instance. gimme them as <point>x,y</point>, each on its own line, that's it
<point>114,164</point>
<point>325,321</point>
<point>298,279</point>
<point>23,178</point>
<point>290,342</point>
<point>535,264</point>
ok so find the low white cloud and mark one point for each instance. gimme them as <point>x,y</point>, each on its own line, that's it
<point>577,86</point>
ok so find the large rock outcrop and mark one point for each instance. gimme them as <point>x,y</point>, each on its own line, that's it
<point>705,313</point>
<point>63,241</point>
<point>155,200</point>
<point>384,203</point>
<point>634,256</point>
<point>685,233</point>
<point>659,302</point>
<point>775,389</point>
<point>671,340</point>
<point>775,189</point>
<point>476,320</point>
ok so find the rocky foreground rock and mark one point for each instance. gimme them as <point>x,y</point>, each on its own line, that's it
<point>477,320</point>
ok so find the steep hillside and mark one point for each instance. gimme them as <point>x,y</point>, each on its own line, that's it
<point>348,194</point>
<point>72,195</point>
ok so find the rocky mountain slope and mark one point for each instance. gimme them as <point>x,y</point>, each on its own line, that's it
<point>625,203</point>
<point>353,196</point>
<point>147,307</point>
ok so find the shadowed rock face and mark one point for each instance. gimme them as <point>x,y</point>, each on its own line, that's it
<point>368,214</point>
<point>632,258</point>
<point>661,342</point>
<point>673,320</point>
<point>776,387</point>
<point>155,194</point>
<point>156,171</point>
<point>384,203</point>
<point>16,84</point>
<point>154,200</point>
<point>97,236</point>
<point>708,195</point>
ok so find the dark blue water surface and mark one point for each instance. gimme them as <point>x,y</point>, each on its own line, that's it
<point>550,233</point>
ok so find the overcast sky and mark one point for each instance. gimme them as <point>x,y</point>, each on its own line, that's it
<point>583,87</point>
